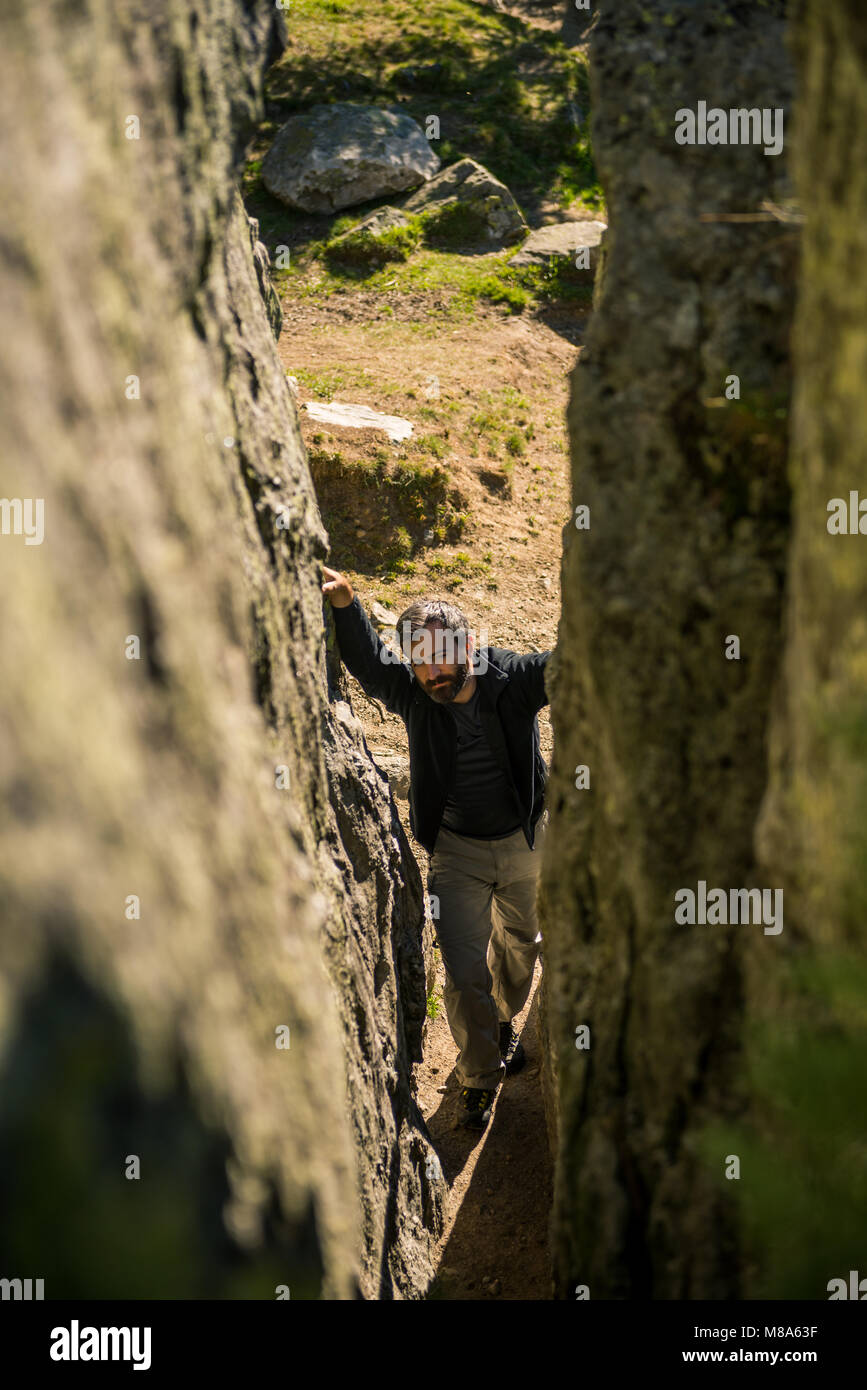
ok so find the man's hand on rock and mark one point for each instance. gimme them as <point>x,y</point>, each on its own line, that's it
<point>337,587</point>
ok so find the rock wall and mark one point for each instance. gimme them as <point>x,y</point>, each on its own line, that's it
<point>198,850</point>
<point>819,791</point>
<point>688,503</point>
<point>812,832</point>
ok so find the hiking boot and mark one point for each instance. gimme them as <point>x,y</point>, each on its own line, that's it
<point>511,1049</point>
<point>476,1106</point>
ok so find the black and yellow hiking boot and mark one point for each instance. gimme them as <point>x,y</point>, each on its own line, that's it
<point>511,1049</point>
<point>476,1106</point>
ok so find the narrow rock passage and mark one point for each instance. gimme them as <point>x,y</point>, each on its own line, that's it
<point>495,1241</point>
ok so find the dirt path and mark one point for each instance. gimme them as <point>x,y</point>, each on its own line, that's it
<point>471,507</point>
<point>495,1244</point>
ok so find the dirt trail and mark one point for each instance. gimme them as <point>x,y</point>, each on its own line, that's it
<point>383,350</point>
<point>495,1244</point>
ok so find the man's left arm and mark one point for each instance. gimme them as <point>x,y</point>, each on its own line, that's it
<point>529,674</point>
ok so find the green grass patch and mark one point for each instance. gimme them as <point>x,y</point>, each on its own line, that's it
<point>365,251</point>
<point>397,503</point>
<point>514,98</point>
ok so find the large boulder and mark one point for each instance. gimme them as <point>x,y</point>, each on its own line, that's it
<point>334,156</point>
<point>468,203</point>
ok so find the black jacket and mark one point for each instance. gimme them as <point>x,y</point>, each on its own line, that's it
<point>511,692</point>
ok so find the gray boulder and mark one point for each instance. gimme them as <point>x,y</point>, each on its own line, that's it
<point>489,209</point>
<point>335,156</point>
<point>562,239</point>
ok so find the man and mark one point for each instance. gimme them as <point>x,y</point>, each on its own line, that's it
<point>477,785</point>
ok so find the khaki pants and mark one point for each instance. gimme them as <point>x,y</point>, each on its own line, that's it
<point>487,930</point>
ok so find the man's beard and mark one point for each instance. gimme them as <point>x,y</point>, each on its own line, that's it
<point>446,688</point>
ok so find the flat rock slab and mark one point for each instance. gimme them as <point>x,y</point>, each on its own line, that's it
<point>334,156</point>
<point>560,239</point>
<point>359,417</point>
<point>471,185</point>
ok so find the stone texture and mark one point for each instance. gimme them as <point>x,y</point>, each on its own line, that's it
<point>382,220</point>
<point>688,498</point>
<point>470,186</point>
<point>334,156</point>
<point>812,833</point>
<point>820,780</point>
<point>382,617</point>
<point>545,244</point>
<point>262,262</point>
<point>181,513</point>
<point>396,768</point>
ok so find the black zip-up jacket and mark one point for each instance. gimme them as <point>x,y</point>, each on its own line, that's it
<point>511,693</point>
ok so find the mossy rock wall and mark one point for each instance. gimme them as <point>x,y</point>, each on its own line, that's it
<point>689,499</point>
<point>220,778</point>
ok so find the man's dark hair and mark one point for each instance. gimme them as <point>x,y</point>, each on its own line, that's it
<point>422,613</point>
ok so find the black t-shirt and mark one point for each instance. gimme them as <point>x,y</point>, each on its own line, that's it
<point>481,802</point>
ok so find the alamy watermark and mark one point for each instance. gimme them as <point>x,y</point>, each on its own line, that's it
<point>737,126</point>
<point>23,516</point>
<point>735,907</point>
<point>76,1343</point>
<point>847,519</point>
<point>441,646</point>
<point>22,1289</point>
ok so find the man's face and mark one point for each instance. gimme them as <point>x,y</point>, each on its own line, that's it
<point>441,661</point>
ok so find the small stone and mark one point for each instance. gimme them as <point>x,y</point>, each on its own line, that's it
<point>381,616</point>
<point>562,239</point>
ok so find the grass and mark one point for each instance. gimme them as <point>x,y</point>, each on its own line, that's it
<point>397,503</point>
<point>461,282</point>
<point>325,384</point>
<point>365,251</point>
<point>453,570</point>
<point>513,98</point>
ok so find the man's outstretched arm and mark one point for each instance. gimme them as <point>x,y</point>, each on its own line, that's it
<point>530,673</point>
<point>361,647</point>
